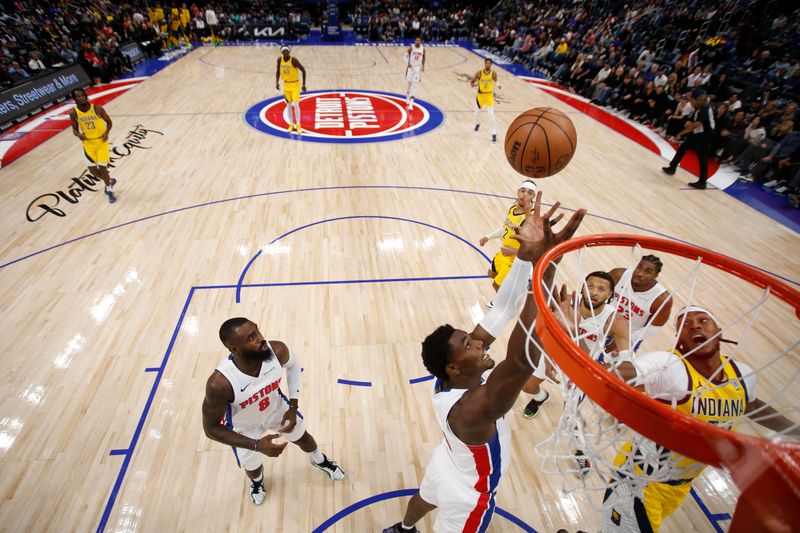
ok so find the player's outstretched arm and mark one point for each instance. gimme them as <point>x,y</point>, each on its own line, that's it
<point>278,74</point>
<point>765,415</point>
<point>482,406</point>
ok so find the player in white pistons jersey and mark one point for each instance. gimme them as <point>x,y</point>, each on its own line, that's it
<point>479,467</point>
<point>415,64</point>
<point>601,330</point>
<point>465,471</point>
<point>641,299</point>
<point>244,400</point>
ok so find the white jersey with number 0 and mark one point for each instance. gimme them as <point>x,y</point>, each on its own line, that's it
<point>415,57</point>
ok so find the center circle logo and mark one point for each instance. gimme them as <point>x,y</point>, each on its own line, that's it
<point>346,116</point>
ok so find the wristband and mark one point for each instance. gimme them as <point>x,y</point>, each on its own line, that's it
<point>255,446</point>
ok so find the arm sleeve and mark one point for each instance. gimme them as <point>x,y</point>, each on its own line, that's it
<point>663,375</point>
<point>495,234</point>
<point>292,367</point>
<point>507,302</point>
<point>750,379</point>
<point>645,333</point>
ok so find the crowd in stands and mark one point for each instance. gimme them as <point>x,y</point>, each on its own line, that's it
<point>643,60</point>
<point>384,21</point>
<point>37,36</point>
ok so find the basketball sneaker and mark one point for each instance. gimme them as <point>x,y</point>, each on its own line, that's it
<point>494,138</point>
<point>331,468</point>
<point>113,182</point>
<point>257,492</point>
<point>532,409</point>
<point>398,528</point>
<point>290,129</point>
<point>584,464</point>
<point>299,128</point>
<point>490,305</point>
<point>477,127</point>
<point>668,170</point>
<point>111,197</point>
<point>698,184</point>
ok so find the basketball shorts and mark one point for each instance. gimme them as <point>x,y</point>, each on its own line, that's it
<point>660,501</point>
<point>96,152</point>
<point>502,265</point>
<point>250,459</point>
<point>462,509</point>
<point>291,91</point>
<point>413,74</point>
<point>484,100</point>
<point>646,514</point>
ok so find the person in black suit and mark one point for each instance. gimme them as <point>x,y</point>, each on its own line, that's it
<point>699,134</point>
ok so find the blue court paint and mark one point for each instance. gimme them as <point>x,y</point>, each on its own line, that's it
<point>350,509</point>
<point>714,519</point>
<point>397,187</point>
<point>138,431</point>
<point>420,380</point>
<point>393,123</point>
<point>339,187</point>
<point>337,282</point>
<point>152,369</point>
<point>341,381</point>
<point>768,202</point>
<point>128,453</point>
<point>382,217</point>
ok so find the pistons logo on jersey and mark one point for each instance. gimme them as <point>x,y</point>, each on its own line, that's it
<point>346,116</point>
<point>626,305</point>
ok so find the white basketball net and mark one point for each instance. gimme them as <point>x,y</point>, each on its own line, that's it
<point>768,335</point>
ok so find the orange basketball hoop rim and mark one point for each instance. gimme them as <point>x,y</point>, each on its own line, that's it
<point>767,472</point>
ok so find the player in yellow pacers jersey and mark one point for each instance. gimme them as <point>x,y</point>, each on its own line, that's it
<point>91,124</point>
<point>502,261</point>
<point>485,80</point>
<point>287,71</point>
<point>705,385</point>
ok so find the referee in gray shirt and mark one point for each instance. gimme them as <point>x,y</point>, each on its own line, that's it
<point>699,136</point>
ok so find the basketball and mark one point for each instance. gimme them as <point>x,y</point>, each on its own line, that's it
<point>540,142</point>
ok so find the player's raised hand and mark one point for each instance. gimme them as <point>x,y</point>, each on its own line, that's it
<point>269,448</point>
<point>563,308</point>
<point>536,236</point>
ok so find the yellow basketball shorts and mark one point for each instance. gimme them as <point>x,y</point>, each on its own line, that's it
<point>484,100</point>
<point>661,500</point>
<point>96,152</point>
<point>501,264</point>
<point>291,92</point>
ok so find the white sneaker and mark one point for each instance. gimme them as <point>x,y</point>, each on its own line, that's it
<point>257,492</point>
<point>771,183</point>
<point>334,471</point>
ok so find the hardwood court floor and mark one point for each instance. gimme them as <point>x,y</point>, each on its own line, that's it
<point>120,321</point>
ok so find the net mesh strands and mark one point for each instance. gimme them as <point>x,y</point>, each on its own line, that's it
<point>612,440</point>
